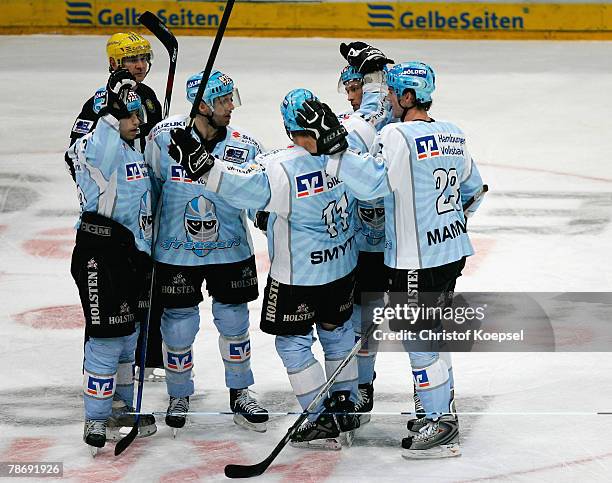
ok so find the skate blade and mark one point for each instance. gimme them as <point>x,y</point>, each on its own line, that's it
<point>93,450</point>
<point>240,420</point>
<point>437,452</point>
<point>174,432</point>
<point>115,434</point>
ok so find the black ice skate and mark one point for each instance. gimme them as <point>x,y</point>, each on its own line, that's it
<point>176,415</point>
<point>436,439</point>
<point>120,423</point>
<point>366,401</point>
<point>247,411</point>
<point>414,425</point>
<point>334,428</point>
<point>94,434</point>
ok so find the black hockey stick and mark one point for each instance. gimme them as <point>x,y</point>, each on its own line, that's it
<point>166,37</point>
<point>195,109</point>
<point>248,471</point>
<point>168,40</point>
<point>476,197</point>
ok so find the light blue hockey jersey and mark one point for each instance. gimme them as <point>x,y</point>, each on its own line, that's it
<point>311,234</point>
<point>370,220</point>
<point>425,173</point>
<point>197,227</point>
<point>113,180</point>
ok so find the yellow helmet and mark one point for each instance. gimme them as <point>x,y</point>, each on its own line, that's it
<point>130,44</point>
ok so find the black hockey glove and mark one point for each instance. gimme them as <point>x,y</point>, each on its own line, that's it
<point>120,82</point>
<point>190,154</point>
<point>261,220</point>
<point>364,57</point>
<point>318,119</point>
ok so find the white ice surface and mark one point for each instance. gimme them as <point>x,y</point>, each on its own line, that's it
<point>538,119</point>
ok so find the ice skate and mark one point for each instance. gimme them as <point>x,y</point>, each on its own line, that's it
<point>247,411</point>
<point>436,439</point>
<point>176,415</point>
<point>94,434</point>
<point>366,403</point>
<point>121,422</point>
<point>334,428</point>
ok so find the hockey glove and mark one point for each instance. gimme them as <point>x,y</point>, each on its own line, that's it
<point>261,220</point>
<point>190,154</point>
<point>119,84</point>
<point>318,119</point>
<point>365,58</point>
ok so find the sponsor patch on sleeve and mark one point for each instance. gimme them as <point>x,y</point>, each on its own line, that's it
<point>82,126</point>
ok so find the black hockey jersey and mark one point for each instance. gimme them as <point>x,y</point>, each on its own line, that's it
<point>87,119</point>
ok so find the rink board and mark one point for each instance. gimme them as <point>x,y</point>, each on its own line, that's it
<point>477,20</point>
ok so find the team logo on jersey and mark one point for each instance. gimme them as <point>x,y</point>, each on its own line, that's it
<point>179,362</point>
<point>82,126</point>
<point>201,223</point>
<point>420,378</point>
<point>235,155</point>
<point>177,173</point>
<point>179,279</point>
<point>145,217</point>
<point>427,147</point>
<point>240,351</point>
<point>309,184</point>
<point>134,172</point>
<point>100,387</point>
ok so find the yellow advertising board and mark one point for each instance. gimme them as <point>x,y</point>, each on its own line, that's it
<point>327,19</point>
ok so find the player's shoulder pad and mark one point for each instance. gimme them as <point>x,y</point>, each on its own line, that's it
<point>165,126</point>
<point>145,91</point>
<point>277,156</point>
<point>243,136</point>
<point>362,128</point>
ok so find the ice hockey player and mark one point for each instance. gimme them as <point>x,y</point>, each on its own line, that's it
<point>203,237</point>
<point>110,261</point>
<point>311,243</point>
<point>130,51</point>
<point>366,91</point>
<point>425,173</point>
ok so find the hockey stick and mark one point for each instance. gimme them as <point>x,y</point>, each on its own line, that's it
<point>195,108</point>
<point>248,471</point>
<point>168,40</point>
<point>475,198</point>
<point>160,31</point>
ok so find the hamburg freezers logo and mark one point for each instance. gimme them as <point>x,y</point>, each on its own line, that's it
<point>309,184</point>
<point>240,351</point>
<point>135,171</point>
<point>420,378</point>
<point>180,362</point>
<point>100,387</point>
<point>427,147</point>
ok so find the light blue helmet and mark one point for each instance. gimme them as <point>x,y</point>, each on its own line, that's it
<point>412,75</point>
<point>218,85</point>
<point>132,102</point>
<point>291,103</point>
<point>348,74</point>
